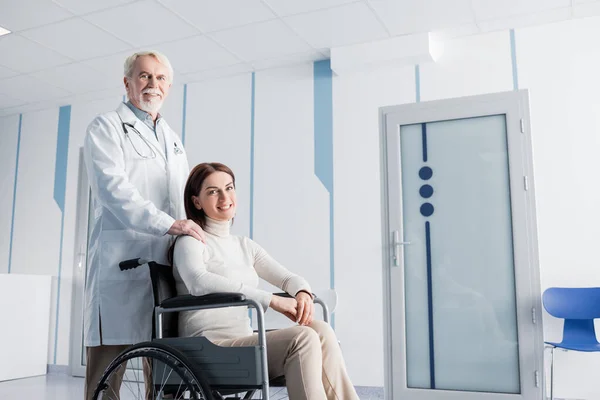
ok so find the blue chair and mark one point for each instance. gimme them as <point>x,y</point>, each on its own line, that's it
<point>578,307</point>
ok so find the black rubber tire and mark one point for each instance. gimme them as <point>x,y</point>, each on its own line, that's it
<point>168,355</point>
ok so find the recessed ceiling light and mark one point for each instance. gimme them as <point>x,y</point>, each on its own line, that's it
<point>4,31</point>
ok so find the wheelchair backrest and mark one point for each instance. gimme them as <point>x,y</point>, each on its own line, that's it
<point>163,287</point>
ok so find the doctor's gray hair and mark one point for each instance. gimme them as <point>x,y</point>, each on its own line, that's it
<point>130,62</point>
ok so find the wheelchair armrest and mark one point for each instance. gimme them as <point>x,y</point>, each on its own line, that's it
<point>208,299</point>
<point>283,294</point>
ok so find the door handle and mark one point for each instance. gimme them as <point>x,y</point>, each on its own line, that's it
<point>396,243</point>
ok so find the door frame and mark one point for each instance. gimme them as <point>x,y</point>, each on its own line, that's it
<point>76,366</point>
<point>515,105</point>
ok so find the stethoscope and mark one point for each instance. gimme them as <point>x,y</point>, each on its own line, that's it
<point>126,126</point>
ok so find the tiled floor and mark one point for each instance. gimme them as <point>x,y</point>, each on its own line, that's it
<point>56,386</point>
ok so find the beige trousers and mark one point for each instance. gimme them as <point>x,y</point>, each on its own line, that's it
<point>309,357</point>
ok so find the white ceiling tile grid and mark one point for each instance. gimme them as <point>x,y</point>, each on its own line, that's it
<point>418,16</point>
<point>285,8</point>
<point>493,9</point>
<point>25,14</point>
<point>197,53</point>
<point>76,78</point>
<point>81,7</point>
<point>30,89</point>
<point>62,50</point>
<point>210,15</point>
<point>261,40</point>
<point>77,39</point>
<point>142,23</point>
<point>23,55</point>
<point>339,26</point>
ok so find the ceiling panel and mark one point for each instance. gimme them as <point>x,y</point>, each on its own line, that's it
<point>79,7</point>
<point>289,60</point>
<point>23,55</point>
<point>76,78</point>
<point>210,15</point>
<point>7,101</point>
<point>494,9</point>
<point>77,39</point>
<point>116,93</point>
<point>30,89</point>
<point>6,72</point>
<point>111,66</point>
<point>196,54</point>
<point>586,10</point>
<point>523,20</point>
<point>403,17</point>
<point>260,41</point>
<point>142,23</point>
<point>25,14</point>
<point>287,7</point>
<point>350,24</point>
<point>457,31</point>
<point>215,73</point>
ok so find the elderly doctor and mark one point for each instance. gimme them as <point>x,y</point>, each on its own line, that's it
<point>137,169</point>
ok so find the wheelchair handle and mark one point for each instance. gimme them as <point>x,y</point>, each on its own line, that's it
<point>131,264</point>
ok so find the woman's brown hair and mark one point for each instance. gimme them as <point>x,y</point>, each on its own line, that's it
<point>192,188</point>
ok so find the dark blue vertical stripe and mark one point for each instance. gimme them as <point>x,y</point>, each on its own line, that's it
<point>184,114</point>
<point>252,111</point>
<point>14,203</point>
<point>323,146</point>
<point>424,139</point>
<point>60,184</point>
<point>417,83</point>
<point>430,305</point>
<point>513,56</point>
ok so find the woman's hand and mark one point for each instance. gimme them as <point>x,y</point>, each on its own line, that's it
<point>305,309</point>
<point>285,305</point>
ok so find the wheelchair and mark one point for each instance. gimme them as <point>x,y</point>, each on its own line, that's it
<point>172,367</point>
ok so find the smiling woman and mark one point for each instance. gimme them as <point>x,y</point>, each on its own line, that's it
<point>308,354</point>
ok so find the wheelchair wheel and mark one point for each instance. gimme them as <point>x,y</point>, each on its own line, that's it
<point>152,371</point>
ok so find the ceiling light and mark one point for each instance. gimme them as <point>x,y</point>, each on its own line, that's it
<point>4,31</point>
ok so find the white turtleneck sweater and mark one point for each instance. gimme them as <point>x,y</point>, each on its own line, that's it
<point>227,263</point>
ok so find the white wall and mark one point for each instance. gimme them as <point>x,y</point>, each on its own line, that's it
<point>558,63</point>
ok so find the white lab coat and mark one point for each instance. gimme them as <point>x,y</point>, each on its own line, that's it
<point>135,202</point>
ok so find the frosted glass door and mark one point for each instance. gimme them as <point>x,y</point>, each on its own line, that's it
<point>462,295</point>
<point>459,281</point>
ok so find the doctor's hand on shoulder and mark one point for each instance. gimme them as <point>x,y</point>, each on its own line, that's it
<point>187,227</point>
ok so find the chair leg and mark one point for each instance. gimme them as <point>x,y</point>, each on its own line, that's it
<point>552,373</point>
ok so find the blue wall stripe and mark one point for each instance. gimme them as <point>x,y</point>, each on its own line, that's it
<point>430,305</point>
<point>323,131</point>
<point>60,185</point>
<point>252,110</point>
<point>323,120</point>
<point>424,139</point>
<point>62,152</point>
<point>184,116</point>
<point>417,83</point>
<point>14,203</point>
<point>513,55</point>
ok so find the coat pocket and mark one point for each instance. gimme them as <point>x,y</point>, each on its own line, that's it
<point>121,245</point>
